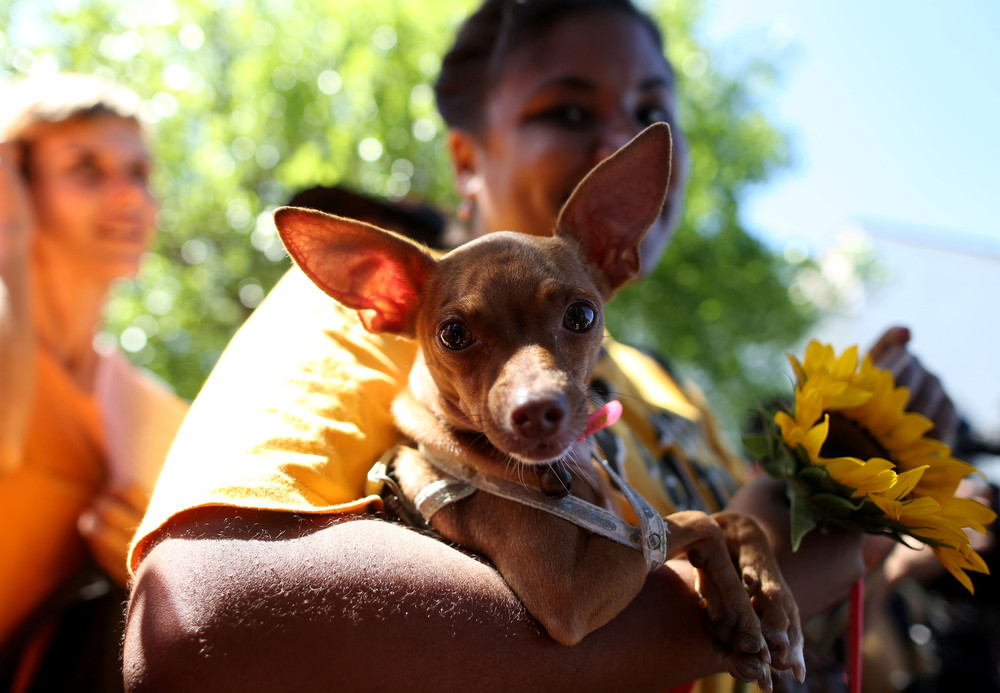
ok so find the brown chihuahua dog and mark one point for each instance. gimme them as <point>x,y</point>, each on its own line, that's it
<point>510,327</point>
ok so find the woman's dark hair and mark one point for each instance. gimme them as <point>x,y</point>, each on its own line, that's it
<point>474,63</point>
<point>420,222</point>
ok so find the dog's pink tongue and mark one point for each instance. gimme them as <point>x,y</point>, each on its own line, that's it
<point>602,418</point>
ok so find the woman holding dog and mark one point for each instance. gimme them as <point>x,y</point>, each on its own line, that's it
<point>273,570</point>
<point>82,433</point>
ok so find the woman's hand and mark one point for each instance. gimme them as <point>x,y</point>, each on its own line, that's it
<point>108,524</point>
<point>927,394</point>
<point>15,207</point>
<point>17,335</point>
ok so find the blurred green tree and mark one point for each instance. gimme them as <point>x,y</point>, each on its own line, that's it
<point>252,101</point>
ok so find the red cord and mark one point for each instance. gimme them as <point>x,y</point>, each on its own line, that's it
<point>856,630</point>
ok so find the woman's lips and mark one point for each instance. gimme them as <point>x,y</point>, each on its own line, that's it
<point>123,231</point>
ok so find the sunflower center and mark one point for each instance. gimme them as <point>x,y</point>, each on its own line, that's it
<point>848,438</point>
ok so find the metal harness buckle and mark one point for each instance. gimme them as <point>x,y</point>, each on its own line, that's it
<point>380,482</point>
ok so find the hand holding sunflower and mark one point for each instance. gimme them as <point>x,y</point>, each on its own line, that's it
<point>853,456</point>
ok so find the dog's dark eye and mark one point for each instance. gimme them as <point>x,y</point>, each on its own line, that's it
<point>455,336</point>
<point>579,317</point>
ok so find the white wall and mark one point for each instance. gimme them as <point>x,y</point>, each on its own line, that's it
<point>946,289</point>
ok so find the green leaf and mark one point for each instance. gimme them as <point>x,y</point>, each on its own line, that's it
<point>759,447</point>
<point>833,506</point>
<point>802,518</point>
<point>786,459</point>
<point>801,456</point>
<point>779,465</point>
<point>815,477</point>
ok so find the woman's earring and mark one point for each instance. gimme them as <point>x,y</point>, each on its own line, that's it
<point>465,209</point>
<point>468,187</point>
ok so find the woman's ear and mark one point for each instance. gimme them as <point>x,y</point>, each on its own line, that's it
<point>465,165</point>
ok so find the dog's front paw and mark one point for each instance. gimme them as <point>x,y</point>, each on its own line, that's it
<point>729,612</point>
<point>769,594</point>
<point>748,668</point>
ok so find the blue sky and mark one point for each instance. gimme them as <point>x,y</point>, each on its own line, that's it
<point>893,108</point>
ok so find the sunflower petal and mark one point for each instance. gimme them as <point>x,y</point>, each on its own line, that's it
<point>800,374</point>
<point>952,561</point>
<point>910,429</point>
<point>968,513</point>
<point>845,366</point>
<point>873,476</point>
<point>816,436</point>
<point>906,482</point>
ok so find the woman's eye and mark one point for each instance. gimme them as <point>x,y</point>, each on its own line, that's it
<point>572,116</point>
<point>455,336</point>
<point>86,170</point>
<point>654,114</point>
<point>140,174</point>
<point>579,318</point>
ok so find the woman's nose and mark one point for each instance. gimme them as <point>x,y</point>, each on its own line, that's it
<point>615,134</point>
<point>127,190</point>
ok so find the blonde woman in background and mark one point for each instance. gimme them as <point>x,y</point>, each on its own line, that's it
<point>82,433</point>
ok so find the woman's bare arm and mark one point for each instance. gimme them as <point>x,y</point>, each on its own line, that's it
<point>236,600</point>
<point>232,599</point>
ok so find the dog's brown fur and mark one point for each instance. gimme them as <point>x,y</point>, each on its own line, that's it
<point>515,399</point>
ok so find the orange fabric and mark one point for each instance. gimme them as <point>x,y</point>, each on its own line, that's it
<point>73,439</point>
<point>41,501</point>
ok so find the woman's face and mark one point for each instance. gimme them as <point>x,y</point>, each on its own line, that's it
<point>89,181</point>
<point>566,100</point>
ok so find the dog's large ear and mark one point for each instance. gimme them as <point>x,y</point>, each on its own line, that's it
<point>614,205</point>
<point>376,272</point>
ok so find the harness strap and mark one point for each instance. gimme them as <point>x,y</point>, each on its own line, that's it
<point>650,537</point>
<point>440,493</point>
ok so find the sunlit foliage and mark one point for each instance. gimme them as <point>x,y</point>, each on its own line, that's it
<point>252,101</point>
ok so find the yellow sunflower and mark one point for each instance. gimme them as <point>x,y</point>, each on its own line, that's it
<point>853,455</point>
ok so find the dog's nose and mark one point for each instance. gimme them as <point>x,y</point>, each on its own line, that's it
<point>539,418</point>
